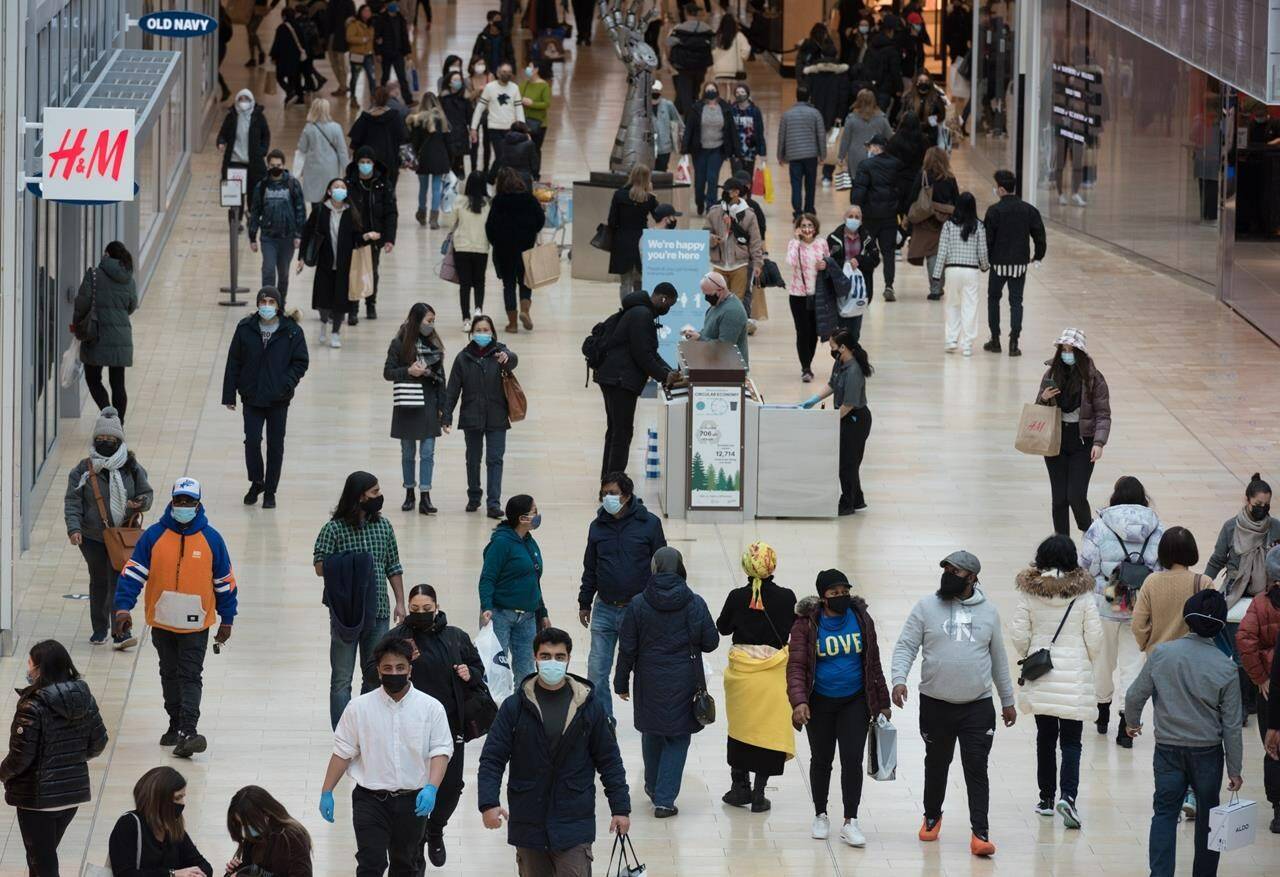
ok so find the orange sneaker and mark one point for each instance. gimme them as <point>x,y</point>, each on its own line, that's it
<point>981,846</point>
<point>929,828</point>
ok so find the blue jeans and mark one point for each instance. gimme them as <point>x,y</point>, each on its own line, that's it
<point>342,663</point>
<point>436,183</point>
<point>804,179</point>
<point>706,177</point>
<point>426,453</point>
<point>606,622</point>
<point>493,442</point>
<point>1176,768</point>
<point>356,67</point>
<point>664,766</point>
<point>277,253</point>
<point>516,630</point>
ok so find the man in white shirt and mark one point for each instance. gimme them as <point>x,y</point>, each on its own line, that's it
<point>502,101</point>
<point>395,744</point>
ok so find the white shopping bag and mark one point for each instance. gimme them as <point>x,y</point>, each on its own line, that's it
<point>882,750</point>
<point>497,670</point>
<point>448,192</point>
<point>72,369</point>
<point>1232,826</point>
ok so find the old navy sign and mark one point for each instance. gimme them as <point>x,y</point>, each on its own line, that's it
<point>178,23</point>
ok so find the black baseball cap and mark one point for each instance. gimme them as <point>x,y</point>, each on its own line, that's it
<point>878,140</point>
<point>665,211</point>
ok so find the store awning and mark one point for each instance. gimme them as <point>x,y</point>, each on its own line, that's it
<point>133,79</point>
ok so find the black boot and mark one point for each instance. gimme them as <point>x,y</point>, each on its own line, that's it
<point>407,505</point>
<point>759,803</point>
<point>424,504</point>
<point>1123,740</point>
<point>370,309</point>
<point>739,794</point>
<point>1275,819</point>
<point>1013,346</point>
<point>255,490</point>
<point>992,346</point>
<point>1104,717</point>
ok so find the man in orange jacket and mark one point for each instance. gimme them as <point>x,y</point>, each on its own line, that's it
<point>186,571</point>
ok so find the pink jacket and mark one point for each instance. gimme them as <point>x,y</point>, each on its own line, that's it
<point>803,259</point>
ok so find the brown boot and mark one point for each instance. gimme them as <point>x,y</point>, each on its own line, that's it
<point>435,219</point>
<point>525,319</point>
<point>511,322</point>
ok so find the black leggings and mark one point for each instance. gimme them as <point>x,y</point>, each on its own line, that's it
<point>471,268</point>
<point>1069,475</point>
<point>115,374</point>
<point>832,721</point>
<point>806,320</point>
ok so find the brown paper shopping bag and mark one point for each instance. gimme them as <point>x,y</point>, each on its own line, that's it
<point>360,279</point>
<point>541,265</point>
<point>1039,430</point>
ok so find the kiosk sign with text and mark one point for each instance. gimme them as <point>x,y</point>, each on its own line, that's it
<point>88,154</point>
<point>715,447</point>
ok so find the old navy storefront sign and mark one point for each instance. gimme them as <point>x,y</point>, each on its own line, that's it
<point>178,23</point>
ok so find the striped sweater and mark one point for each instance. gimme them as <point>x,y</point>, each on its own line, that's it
<point>954,252</point>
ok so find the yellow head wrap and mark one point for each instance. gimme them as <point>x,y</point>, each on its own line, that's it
<point>758,561</point>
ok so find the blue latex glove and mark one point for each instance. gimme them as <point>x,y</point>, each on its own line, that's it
<point>326,806</point>
<point>811,401</point>
<point>426,801</point>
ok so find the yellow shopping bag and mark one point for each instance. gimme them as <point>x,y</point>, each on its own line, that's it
<point>768,185</point>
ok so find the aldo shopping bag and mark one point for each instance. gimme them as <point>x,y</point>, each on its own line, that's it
<point>1039,430</point>
<point>497,669</point>
<point>882,750</point>
<point>1232,826</point>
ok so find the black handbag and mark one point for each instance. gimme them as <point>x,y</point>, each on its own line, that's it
<point>311,253</point>
<point>771,276</point>
<point>704,705</point>
<point>85,329</point>
<point>603,238</point>
<point>475,703</point>
<point>1040,661</point>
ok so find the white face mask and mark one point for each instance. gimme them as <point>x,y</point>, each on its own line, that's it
<point>738,208</point>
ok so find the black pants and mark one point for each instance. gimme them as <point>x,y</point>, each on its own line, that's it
<point>804,182</point>
<point>41,834</point>
<point>995,286</point>
<point>290,83</point>
<point>396,63</point>
<point>376,252</point>
<point>620,417</point>
<point>1052,732</point>
<point>836,721</point>
<point>806,320</point>
<point>662,161</point>
<point>512,282</point>
<point>386,829</point>
<point>855,427</point>
<point>584,13</point>
<point>1069,475</point>
<point>102,585</point>
<point>181,667</point>
<point>1270,767</point>
<point>886,236</point>
<point>471,268</point>
<point>273,418</point>
<point>449,794</point>
<point>942,724</point>
<point>119,399</point>
<point>687,83</point>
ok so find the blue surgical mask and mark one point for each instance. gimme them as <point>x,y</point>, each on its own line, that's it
<point>250,831</point>
<point>366,167</point>
<point>552,672</point>
<point>528,72</point>
<point>338,195</point>
<point>611,503</point>
<point>482,339</point>
<point>1068,357</point>
<point>536,521</point>
<point>267,312</point>
<point>455,85</point>
<point>393,7</point>
<point>853,224</point>
<point>183,514</point>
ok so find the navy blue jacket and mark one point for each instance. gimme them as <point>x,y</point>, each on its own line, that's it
<point>350,593</point>
<point>264,375</point>
<point>277,209</point>
<point>664,633</point>
<point>551,796</point>
<point>616,562</point>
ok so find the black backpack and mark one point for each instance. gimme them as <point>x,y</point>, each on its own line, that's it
<point>1127,578</point>
<point>596,345</point>
<point>692,51</point>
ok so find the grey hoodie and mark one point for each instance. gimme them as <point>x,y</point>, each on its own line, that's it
<point>963,650</point>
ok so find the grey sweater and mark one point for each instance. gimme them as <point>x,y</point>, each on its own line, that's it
<point>963,650</point>
<point>1197,697</point>
<point>727,321</point>
<point>801,134</point>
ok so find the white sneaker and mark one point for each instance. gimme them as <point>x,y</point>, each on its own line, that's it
<point>821,827</point>
<point>951,347</point>
<point>466,327</point>
<point>1078,200</point>
<point>826,184</point>
<point>335,341</point>
<point>852,835</point>
<point>324,331</point>
<point>968,351</point>
<point>1062,198</point>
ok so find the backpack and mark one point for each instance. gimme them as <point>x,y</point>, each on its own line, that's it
<point>596,345</point>
<point>1127,578</point>
<point>692,51</point>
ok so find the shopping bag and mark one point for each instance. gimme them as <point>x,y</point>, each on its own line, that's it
<point>1232,826</point>
<point>757,183</point>
<point>517,404</point>
<point>448,268</point>
<point>360,278</point>
<point>272,87</point>
<point>1039,430</point>
<point>628,863</point>
<point>882,750</point>
<point>72,368</point>
<point>759,304</point>
<point>843,182</point>
<point>684,170</point>
<point>541,265</point>
<point>497,670</point>
<point>768,184</point>
<point>239,11</point>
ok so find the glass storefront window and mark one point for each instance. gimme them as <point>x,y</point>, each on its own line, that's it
<point>995,98</point>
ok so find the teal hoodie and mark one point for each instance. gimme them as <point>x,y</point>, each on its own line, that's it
<point>511,577</point>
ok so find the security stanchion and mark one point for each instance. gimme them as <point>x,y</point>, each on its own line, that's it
<point>233,224</point>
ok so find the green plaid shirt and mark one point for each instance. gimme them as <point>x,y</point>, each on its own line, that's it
<point>377,538</point>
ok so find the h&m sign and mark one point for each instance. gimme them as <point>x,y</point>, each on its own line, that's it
<point>88,154</point>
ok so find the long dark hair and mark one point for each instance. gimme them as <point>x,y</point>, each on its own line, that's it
<point>1129,491</point>
<point>411,330</point>
<point>254,807</point>
<point>448,62</point>
<point>153,800</point>
<point>348,509</point>
<point>727,32</point>
<point>509,182</point>
<point>121,254</point>
<point>349,205</point>
<point>844,338</point>
<point>1069,378</point>
<point>476,190</point>
<point>966,215</point>
<point>54,663</point>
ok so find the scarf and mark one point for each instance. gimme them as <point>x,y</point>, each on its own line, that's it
<point>1249,541</point>
<point>116,502</point>
<point>758,561</point>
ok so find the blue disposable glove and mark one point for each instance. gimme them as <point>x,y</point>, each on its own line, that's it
<point>426,801</point>
<point>326,806</point>
<point>811,401</point>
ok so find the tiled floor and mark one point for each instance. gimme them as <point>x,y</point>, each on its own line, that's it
<point>1193,411</point>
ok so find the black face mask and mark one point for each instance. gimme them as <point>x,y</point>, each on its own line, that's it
<point>393,683</point>
<point>275,171</point>
<point>662,309</point>
<point>1257,512</point>
<point>712,301</point>
<point>107,447</point>
<point>421,620</point>
<point>952,585</point>
<point>372,506</point>
<point>835,354</point>
<point>178,808</point>
<point>923,89</point>
<point>710,96</point>
<point>839,605</point>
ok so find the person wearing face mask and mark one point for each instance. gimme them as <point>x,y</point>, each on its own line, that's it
<point>185,568</point>
<point>535,94</point>
<point>395,744</point>
<point>446,666</point>
<point>122,484</point>
<point>956,631</point>
<point>930,106</point>
<point>1256,641</point>
<point>911,42</point>
<point>836,688</point>
<point>152,837</point>
<point>359,33</point>
<point>668,127</point>
<point>372,191</point>
<point>475,382</point>
<point>266,836</point>
<point>725,319</point>
<point>709,138</point>
<point>730,52</point>
<point>804,252</point>
<point>877,192</point>
<point>56,730</point>
<point>855,42</point>
<point>1012,226</point>
<point>883,63</point>
<point>663,625</point>
<point>1196,695</point>
<point>457,112</point>
<point>555,738</point>
<point>266,361</point>
<point>498,106</point>
<point>511,584</point>
<point>277,211</point>
<point>332,233</point>
<point>802,146</point>
<point>848,389</point>
<point>415,368</point>
<point>244,139</point>
<point>1243,543</point>
<point>391,41</point>
<point>493,43</point>
<point>847,270</point>
<point>109,291</point>
<point>737,244</point>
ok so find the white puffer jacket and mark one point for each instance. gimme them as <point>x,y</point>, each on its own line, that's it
<point>1067,690</point>
<point>1101,552</point>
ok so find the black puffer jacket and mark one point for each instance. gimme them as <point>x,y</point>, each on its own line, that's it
<point>264,374</point>
<point>56,730</point>
<point>631,356</point>
<point>375,197</point>
<point>431,147</point>
<point>382,130</point>
<point>519,153</point>
<point>476,378</point>
<point>877,188</point>
<point>883,65</point>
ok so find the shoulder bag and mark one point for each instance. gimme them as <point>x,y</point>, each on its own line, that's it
<point>704,705</point>
<point>119,540</point>
<point>922,208</point>
<point>85,329</point>
<point>91,870</point>
<point>517,404</point>
<point>476,706</point>
<point>448,271</point>
<point>1040,661</point>
<point>603,238</point>
<point>408,394</point>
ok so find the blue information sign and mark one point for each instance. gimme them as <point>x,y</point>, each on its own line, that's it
<point>680,258</point>
<point>178,23</point>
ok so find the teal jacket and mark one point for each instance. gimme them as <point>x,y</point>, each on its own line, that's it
<point>511,577</point>
<point>727,321</point>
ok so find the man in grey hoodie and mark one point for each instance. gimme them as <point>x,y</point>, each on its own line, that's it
<point>959,632</point>
<point>1197,706</point>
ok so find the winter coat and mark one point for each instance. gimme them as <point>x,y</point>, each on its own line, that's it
<point>391,36</point>
<point>333,270</point>
<point>628,220</point>
<point>830,284</point>
<point>441,647</point>
<point>932,103</point>
<point>511,577</point>
<point>884,67</point>
<point>56,730</point>
<point>375,198</point>
<point>876,188</point>
<point>477,379</point>
<point>514,220</point>
<point>413,422</point>
<point>1101,552</point>
<point>80,507</point>
<point>495,49</point>
<point>278,209</point>
<point>287,50</point>
<point>770,626</point>
<point>909,150</point>
<point>729,251</point>
<point>631,352</point>
<point>383,131</point>
<point>323,150</point>
<point>264,375</point>
<point>336,23</point>
<point>258,146</point>
<point>430,147</point>
<point>615,566</point>
<point>113,295</point>
<point>457,109</point>
<point>1226,557</point>
<point>1257,634</point>
<point>1011,223</point>
<point>359,36</point>
<point>855,134</point>
<point>925,234</point>
<point>1067,690</point>
<point>829,90</point>
<point>748,122</point>
<point>1095,402</point>
<point>664,632</point>
<point>802,134</point>
<point>802,657</point>
<point>519,153</point>
<point>693,130</point>
<point>551,794</point>
<point>730,63</point>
